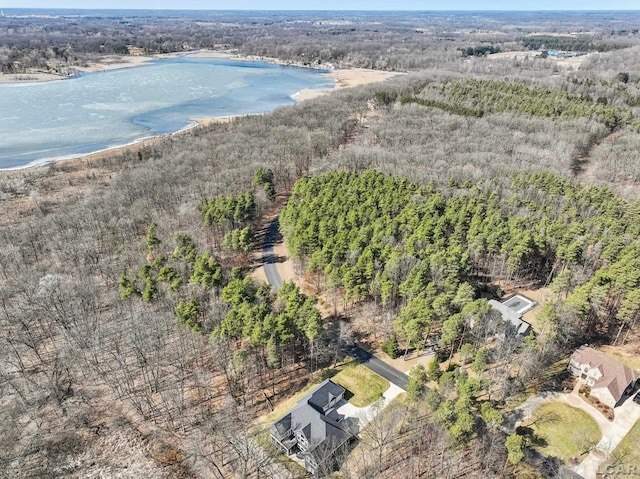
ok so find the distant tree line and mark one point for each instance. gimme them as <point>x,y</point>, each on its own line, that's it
<point>410,41</point>
<point>576,43</point>
<point>475,97</point>
<point>479,51</point>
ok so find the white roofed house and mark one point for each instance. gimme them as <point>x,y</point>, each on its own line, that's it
<point>512,310</point>
<point>610,380</point>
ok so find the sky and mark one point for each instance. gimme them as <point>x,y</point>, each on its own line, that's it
<point>331,4</point>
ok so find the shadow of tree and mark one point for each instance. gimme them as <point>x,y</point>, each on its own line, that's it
<point>328,373</point>
<point>272,259</point>
<point>532,438</point>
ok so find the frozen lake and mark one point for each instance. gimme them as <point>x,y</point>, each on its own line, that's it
<point>44,121</point>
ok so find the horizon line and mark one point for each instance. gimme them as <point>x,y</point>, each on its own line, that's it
<point>321,10</point>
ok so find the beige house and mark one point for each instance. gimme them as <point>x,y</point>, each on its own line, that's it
<point>608,379</point>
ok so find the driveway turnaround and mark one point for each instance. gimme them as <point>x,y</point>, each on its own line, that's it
<point>625,416</point>
<point>613,432</point>
<point>366,414</point>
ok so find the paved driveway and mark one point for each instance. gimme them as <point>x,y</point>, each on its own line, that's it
<point>612,432</point>
<point>365,358</point>
<point>269,257</point>
<point>378,366</point>
<point>366,414</point>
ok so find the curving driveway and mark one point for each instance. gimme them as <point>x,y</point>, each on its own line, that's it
<point>613,432</point>
<point>365,358</point>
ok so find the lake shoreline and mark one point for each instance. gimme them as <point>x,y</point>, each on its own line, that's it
<point>343,78</point>
<point>118,62</point>
<point>57,121</point>
<point>131,147</point>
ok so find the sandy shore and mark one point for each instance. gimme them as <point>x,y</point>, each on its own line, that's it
<point>346,78</point>
<point>105,63</point>
<point>116,62</point>
<point>204,121</point>
<point>36,77</point>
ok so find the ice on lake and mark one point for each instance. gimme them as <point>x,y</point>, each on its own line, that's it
<point>44,121</point>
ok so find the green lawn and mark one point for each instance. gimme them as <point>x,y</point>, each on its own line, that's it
<point>627,454</point>
<point>365,385</point>
<point>563,431</point>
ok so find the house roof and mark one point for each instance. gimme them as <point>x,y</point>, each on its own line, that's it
<point>510,315</point>
<point>520,304</point>
<point>309,417</point>
<point>316,427</point>
<point>615,375</point>
<point>324,394</point>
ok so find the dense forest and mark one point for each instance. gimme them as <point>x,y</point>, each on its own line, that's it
<point>135,338</point>
<point>428,251</point>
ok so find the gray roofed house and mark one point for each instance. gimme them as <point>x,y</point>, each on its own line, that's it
<point>325,396</point>
<point>313,429</point>
<point>513,314</point>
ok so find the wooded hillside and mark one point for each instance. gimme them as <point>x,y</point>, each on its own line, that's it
<point>135,342</point>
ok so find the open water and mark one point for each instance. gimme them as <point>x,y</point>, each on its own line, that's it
<point>40,122</point>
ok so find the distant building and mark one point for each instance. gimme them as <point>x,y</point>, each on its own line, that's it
<point>314,430</point>
<point>608,379</point>
<point>512,310</point>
